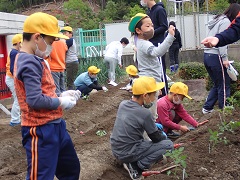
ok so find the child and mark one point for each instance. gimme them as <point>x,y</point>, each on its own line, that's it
<point>147,53</point>
<point>174,49</point>
<point>171,111</point>
<point>127,141</point>
<point>15,111</point>
<point>133,74</point>
<point>49,148</point>
<point>87,81</point>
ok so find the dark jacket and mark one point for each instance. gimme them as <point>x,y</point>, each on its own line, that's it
<point>230,35</point>
<point>178,40</point>
<point>158,16</point>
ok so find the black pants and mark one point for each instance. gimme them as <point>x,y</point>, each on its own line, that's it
<point>173,54</point>
<point>164,79</point>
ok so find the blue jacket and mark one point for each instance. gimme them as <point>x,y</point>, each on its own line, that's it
<point>158,16</point>
<point>230,35</point>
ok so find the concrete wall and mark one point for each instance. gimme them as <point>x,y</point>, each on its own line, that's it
<point>189,56</point>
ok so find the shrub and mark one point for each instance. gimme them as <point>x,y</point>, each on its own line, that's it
<point>235,85</point>
<point>192,70</point>
<point>103,74</point>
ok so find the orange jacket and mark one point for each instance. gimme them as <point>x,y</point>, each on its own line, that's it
<point>8,72</point>
<point>57,57</point>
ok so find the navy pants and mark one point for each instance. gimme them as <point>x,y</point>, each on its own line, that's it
<point>173,54</point>
<point>85,90</point>
<point>50,152</point>
<point>164,78</point>
<point>214,69</point>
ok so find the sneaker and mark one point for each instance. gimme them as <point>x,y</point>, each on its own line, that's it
<point>205,111</point>
<point>134,171</point>
<point>86,97</point>
<point>112,83</point>
<point>164,160</point>
<point>14,124</point>
<point>173,135</point>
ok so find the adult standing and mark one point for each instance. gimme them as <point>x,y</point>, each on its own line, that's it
<point>113,56</point>
<point>15,111</point>
<point>71,57</point>
<point>216,61</point>
<point>158,15</point>
<point>57,64</point>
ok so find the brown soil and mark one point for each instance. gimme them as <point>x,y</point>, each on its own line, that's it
<point>97,162</point>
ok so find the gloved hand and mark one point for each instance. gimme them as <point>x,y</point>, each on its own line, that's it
<point>74,93</point>
<point>164,134</point>
<point>128,87</point>
<point>67,102</point>
<point>104,89</point>
<point>159,126</point>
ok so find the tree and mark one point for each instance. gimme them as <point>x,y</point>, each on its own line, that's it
<point>78,14</point>
<point>220,5</point>
<point>133,11</point>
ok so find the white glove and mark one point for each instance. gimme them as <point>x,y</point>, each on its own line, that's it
<point>67,102</point>
<point>74,93</point>
<point>128,87</point>
<point>104,89</point>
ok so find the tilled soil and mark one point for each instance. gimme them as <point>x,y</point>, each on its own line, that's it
<point>97,162</point>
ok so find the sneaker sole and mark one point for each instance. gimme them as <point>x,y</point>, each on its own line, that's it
<point>125,167</point>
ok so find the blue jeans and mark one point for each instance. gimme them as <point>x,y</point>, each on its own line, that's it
<point>15,112</point>
<point>50,152</point>
<point>213,66</point>
<point>85,90</point>
<point>59,81</point>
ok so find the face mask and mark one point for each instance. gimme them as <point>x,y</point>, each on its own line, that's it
<point>93,76</point>
<point>179,101</point>
<point>147,105</point>
<point>148,34</point>
<point>43,54</point>
<point>124,46</point>
<point>143,4</point>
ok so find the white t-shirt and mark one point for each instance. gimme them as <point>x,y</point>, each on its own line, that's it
<point>114,50</point>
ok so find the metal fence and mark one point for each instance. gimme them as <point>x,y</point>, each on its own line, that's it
<point>90,43</point>
<point>191,18</point>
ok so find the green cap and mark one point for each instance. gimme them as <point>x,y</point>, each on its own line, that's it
<point>134,20</point>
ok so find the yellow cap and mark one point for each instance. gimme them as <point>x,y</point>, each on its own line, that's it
<point>93,69</point>
<point>180,88</point>
<point>17,38</point>
<point>67,28</point>
<point>134,20</point>
<point>44,24</point>
<point>145,85</point>
<point>132,70</point>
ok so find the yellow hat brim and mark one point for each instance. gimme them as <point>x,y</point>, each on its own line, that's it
<point>61,36</point>
<point>97,71</point>
<point>188,97</point>
<point>160,85</point>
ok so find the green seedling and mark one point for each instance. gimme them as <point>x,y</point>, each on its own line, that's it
<point>179,159</point>
<point>217,136</point>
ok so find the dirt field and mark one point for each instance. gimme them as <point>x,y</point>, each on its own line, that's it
<point>97,162</point>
